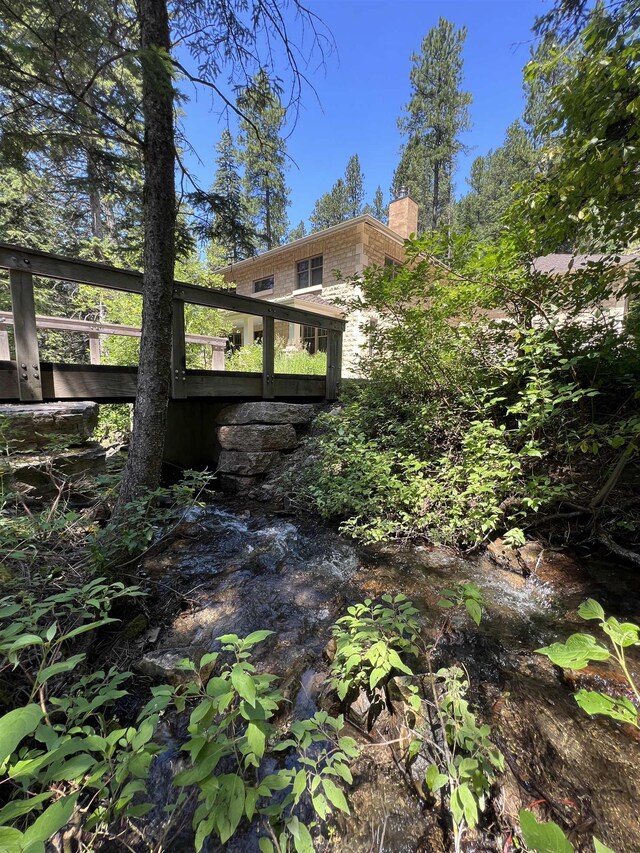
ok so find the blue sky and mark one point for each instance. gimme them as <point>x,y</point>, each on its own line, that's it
<point>365,83</point>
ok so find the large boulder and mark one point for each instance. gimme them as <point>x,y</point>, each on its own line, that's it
<point>41,471</point>
<point>246,464</point>
<point>266,413</point>
<point>32,426</point>
<point>258,437</point>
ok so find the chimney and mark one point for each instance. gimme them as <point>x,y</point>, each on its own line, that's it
<point>403,214</point>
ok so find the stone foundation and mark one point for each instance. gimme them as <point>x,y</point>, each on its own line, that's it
<point>253,437</point>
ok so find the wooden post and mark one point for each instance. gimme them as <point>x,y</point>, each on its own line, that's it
<point>334,363</point>
<point>24,326</point>
<point>94,348</point>
<point>5,352</point>
<point>268,356</point>
<point>178,352</point>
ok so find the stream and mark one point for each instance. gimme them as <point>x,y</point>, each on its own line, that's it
<point>239,569</point>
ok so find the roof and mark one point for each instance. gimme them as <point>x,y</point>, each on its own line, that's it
<point>563,263</point>
<point>315,235</point>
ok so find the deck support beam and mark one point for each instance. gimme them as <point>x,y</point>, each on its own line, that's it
<point>26,336</point>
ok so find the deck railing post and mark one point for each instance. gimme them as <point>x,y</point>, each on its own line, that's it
<point>334,363</point>
<point>26,337</point>
<point>94,348</point>
<point>178,352</point>
<point>5,352</point>
<point>268,357</point>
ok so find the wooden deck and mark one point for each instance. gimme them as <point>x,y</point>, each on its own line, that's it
<point>25,378</point>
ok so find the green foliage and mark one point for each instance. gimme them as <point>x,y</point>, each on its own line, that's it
<point>467,595</point>
<point>231,725</point>
<point>64,746</point>
<point>370,640</point>
<point>471,762</point>
<point>580,649</point>
<point>548,837</point>
<point>469,425</point>
<point>156,510</point>
<point>249,359</point>
<point>343,201</point>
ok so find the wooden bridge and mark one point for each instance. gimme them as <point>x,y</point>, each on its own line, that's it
<point>28,379</point>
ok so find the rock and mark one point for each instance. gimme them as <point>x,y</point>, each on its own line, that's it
<point>33,426</point>
<point>506,557</point>
<point>41,470</point>
<point>235,484</point>
<point>164,666</point>
<point>247,464</point>
<point>266,413</point>
<point>258,437</point>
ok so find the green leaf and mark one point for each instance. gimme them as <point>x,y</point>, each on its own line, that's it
<point>469,805</point>
<point>56,668</point>
<point>350,746</point>
<point>576,652</point>
<point>474,610</point>
<point>335,795</point>
<point>543,837</point>
<point>15,726</point>
<point>590,609</point>
<point>51,820</point>
<point>244,684</point>
<point>11,840</point>
<point>376,675</point>
<point>256,738</point>
<point>266,845</point>
<point>303,843</point>
<point>600,847</point>
<point>321,806</point>
<point>397,663</point>
<point>620,709</point>
<point>299,783</point>
<point>16,808</point>
<point>256,637</point>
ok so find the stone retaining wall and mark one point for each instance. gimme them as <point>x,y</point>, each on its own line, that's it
<point>252,438</point>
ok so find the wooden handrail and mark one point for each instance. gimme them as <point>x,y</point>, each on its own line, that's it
<point>23,264</point>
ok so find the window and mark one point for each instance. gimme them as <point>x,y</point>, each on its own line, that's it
<point>263,284</point>
<point>314,340</point>
<point>391,266</point>
<point>234,341</point>
<point>309,272</point>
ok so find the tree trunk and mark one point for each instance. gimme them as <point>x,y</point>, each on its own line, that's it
<point>144,462</point>
<point>267,216</point>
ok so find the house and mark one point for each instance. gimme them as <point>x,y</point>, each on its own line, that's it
<point>312,273</point>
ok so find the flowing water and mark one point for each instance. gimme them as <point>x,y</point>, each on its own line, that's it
<point>239,570</point>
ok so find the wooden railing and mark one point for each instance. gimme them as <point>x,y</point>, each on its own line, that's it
<point>94,330</point>
<point>100,382</point>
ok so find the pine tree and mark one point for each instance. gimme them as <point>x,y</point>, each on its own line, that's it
<point>436,115</point>
<point>331,208</point>
<point>492,183</point>
<point>378,209</point>
<point>297,233</point>
<point>354,187</point>
<point>262,152</point>
<point>229,226</point>
<point>343,201</point>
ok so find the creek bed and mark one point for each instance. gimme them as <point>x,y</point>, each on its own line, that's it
<point>240,570</point>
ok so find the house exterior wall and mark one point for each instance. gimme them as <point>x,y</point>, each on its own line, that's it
<point>341,251</point>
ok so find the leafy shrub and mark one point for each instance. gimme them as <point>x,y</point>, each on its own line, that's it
<point>232,722</point>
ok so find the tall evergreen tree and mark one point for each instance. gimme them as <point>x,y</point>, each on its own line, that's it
<point>331,208</point>
<point>262,152</point>
<point>298,232</point>
<point>354,187</point>
<point>343,201</point>
<point>492,181</point>
<point>436,115</point>
<point>378,209</point>
<point>225,215</point>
